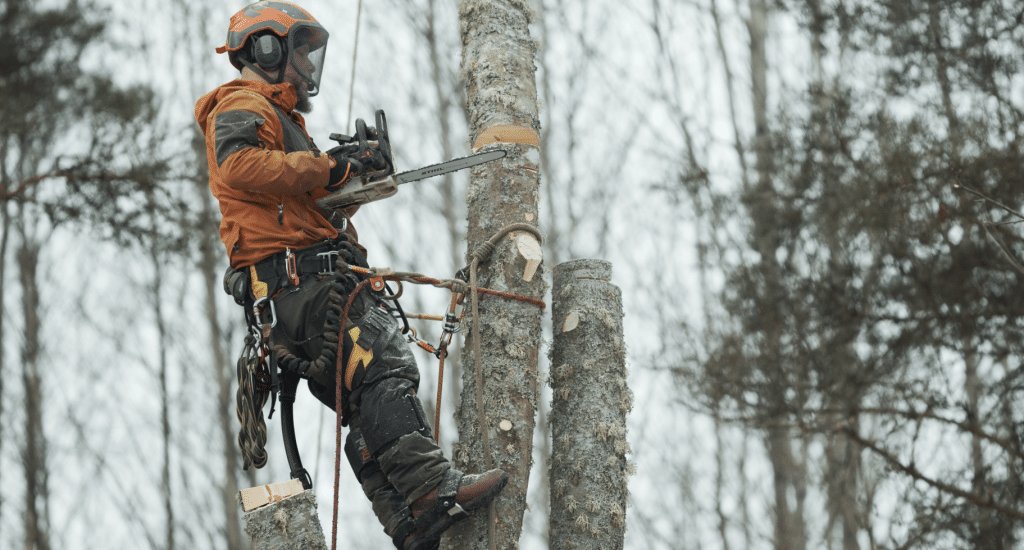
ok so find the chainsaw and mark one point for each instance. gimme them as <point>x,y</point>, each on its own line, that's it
<point>382,184</point>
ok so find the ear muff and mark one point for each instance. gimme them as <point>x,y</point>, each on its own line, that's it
<point>267,52</point>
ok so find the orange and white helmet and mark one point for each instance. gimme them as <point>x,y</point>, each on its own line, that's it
<point>270,34</point>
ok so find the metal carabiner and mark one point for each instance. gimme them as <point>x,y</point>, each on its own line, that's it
<point>256,312</point>
<point>291,267</point>
<point>328,261</point>
<point>451,323</point>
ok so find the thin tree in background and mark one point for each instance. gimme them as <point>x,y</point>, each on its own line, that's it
<point>34,450</point>
<point>192,24</point>
<point>156,291</point>
<point>5,228</point>
<point>789,473</point>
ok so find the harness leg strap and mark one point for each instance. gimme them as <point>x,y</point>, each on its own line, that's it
<point>291,448</point>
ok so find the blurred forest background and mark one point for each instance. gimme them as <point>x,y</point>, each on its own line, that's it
<point>811,207</point>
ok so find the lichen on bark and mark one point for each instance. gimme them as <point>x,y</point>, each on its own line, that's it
<point>290,524</point>
<point>498,66</point>
<point>589,468</point>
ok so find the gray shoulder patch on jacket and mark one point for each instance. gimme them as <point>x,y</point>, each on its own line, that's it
<point>236,130</point>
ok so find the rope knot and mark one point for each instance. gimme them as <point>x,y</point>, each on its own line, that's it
<point>458,286</point>
<point>483,252</point>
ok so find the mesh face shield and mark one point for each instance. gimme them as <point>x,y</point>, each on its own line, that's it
<point>307,44</point>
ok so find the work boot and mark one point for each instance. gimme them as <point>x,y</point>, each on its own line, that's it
<point>452,499</point>
<point>407,537</point>
<point>417,541</point>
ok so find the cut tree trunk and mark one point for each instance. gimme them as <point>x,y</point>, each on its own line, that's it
<point>589,470</point>
<point>288,524</point>
<point>496,426</point>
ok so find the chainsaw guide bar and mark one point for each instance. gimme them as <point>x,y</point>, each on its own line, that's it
<point>363,190</point>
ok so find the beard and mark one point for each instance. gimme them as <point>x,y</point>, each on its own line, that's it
<point>302,103</point>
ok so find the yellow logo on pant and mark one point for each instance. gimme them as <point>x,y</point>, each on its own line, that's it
<point>357,356</point>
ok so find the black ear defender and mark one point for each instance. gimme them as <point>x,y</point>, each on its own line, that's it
<point>267,52</point>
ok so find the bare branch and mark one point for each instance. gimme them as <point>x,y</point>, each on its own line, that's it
<point>910,470</point>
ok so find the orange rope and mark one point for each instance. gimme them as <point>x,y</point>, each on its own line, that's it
<point>422,279</point>
<point>337,407</point>
<point>437,405</point>
<point>425,317</point>
<point>442,353</point>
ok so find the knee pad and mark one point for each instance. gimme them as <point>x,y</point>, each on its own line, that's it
<point>389,410</point>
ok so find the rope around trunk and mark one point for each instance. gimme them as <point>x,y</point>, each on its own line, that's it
<point>481,254</point>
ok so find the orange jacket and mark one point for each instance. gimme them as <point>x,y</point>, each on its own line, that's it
<point>265,171</point>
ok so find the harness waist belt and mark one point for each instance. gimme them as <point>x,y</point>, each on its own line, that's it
<point>318,259</point>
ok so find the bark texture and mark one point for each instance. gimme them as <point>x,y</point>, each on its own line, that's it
<point>589,470</point>
<point>290,524</point>
<point>498,66</point>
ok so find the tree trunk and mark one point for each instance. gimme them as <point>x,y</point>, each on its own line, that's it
<point>34,459</point>
<point>4,239</point>
<point>223,370</point>
<point>789,528</point>
<point>842,463</point>
<point>588,414</point>
<point>790,532</point>
<point>500,380</point>
<point>290,524</point>
<point>156,295</point>
<point>720,461</point>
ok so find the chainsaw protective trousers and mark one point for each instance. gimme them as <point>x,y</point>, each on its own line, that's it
<point>380,379</point>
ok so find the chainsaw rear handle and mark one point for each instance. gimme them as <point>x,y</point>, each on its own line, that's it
<point>384,142</point>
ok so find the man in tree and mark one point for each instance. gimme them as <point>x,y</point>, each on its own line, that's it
<point>266,173</point>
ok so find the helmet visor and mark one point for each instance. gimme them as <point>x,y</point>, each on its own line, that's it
<point>307,46</point>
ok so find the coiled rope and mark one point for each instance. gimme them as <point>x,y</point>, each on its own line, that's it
<point>250,397</point>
